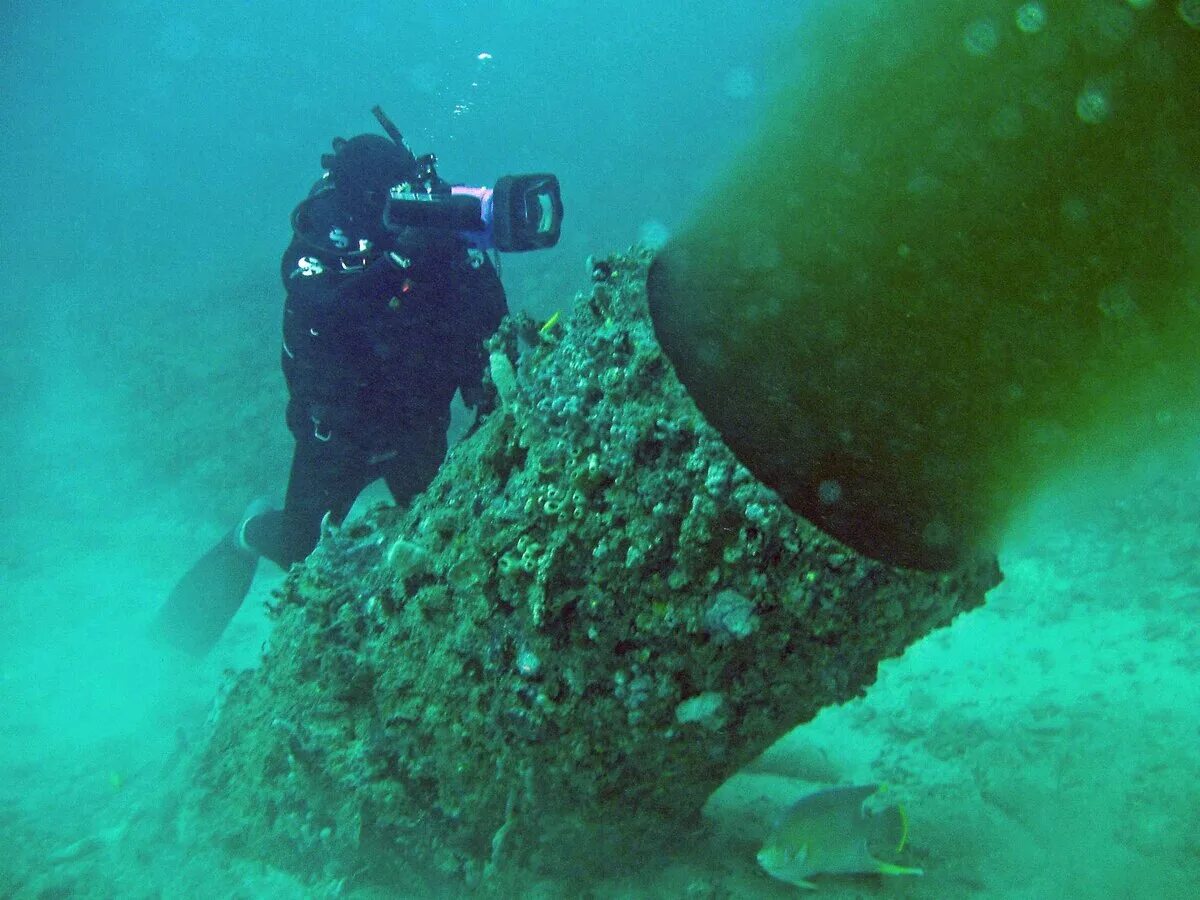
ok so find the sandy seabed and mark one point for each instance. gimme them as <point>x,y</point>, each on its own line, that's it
<point>1043,745</point>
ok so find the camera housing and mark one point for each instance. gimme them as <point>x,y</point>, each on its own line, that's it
<point>520,213</point>
<point>527,212</point>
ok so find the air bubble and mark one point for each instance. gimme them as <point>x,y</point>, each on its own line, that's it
<point>1189,11</point>
<point>1031,18</point>
<point>981,38</point>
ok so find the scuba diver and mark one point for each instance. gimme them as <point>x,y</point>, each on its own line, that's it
<point>390,298</point>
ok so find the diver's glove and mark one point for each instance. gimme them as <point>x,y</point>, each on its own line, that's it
<point>388,275</point>
<point>424,249</point>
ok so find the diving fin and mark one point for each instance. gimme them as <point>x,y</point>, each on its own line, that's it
<point>207,596</point>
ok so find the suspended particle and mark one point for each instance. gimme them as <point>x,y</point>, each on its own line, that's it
<point>740,84</point>
<point>1189,11</point>
<point>829,491</point>
<point>1007,123</point>
<point>981,38</point>
<point>1092,105</point>
<point>1116,302</point>
<point>1075,211</point>
<point>1031,17</point>
<point>936,533</point>
<point>1106,28</point>
<point>653,234</point>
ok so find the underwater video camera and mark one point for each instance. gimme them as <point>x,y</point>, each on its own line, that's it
<point>520,212</point>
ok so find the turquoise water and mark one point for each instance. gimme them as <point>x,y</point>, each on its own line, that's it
<point>1044,745</point>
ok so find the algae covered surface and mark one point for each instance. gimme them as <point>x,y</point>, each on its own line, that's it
<point>591,619</point>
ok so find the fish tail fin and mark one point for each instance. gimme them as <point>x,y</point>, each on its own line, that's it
<point>889,830</point>
<point>889,869</point>
<point>903,827</point>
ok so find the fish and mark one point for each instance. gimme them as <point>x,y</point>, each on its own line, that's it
<point>833,832</point>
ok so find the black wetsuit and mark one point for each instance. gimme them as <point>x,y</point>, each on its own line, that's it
<point>375,346</point>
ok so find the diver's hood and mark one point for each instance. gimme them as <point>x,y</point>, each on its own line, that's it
<point>363,169</point>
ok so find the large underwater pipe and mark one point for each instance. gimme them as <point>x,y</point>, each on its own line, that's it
<point>963,253</point>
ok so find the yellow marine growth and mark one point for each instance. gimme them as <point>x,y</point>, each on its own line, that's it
<point>962,256</point>
<point>832,832</point>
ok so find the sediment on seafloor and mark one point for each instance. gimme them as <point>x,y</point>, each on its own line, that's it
<point>592,618</point>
